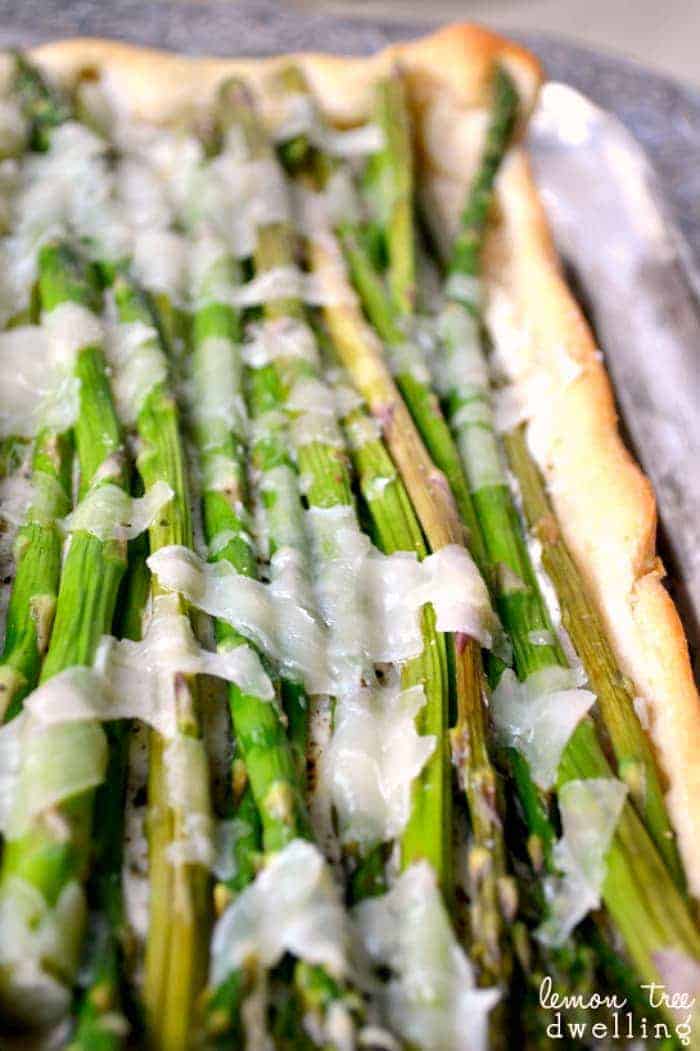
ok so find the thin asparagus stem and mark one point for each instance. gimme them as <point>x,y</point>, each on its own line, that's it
<point>492,893</point>
<point>38,558</point>
<point>261,735</point>
<point>417,393</point>
<point>466,251</point>
<point>43,107</point>
<point>635,872</point>
<point>101,1023</point>
<point>389,184</point>
<point>635,760</point>
<point>55,850</point>
<point>179,897</point>
<point>222,1019</point>
<point>491,888</point>
<point>274,769</point>
<point>274,773</point>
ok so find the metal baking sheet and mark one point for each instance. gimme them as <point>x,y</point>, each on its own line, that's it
<point>637,279</point>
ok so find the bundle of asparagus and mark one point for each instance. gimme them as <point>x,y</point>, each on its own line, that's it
<point>311,498</point>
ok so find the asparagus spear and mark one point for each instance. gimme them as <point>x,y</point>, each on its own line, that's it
<point>179,899</point>
<point>222,1004</point>
<point>274,775</point>
<point>635,872</point>
<point>492,893</point>
<point>635,760</point>
<point>261,735</point>
<point>54,851</point>
<point>101,1024</point>
<point>268,387</point>
<point>388,180</point>
<point>43,107</point>
<point>38,558</point>
<point>388,185</point>
<point>491,888</point>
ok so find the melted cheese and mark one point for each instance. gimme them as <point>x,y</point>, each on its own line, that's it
<point>590,811</point>
<point>109,513</point>
<point>538,716</point>
<point>431,998</point>
<point>291,906</point>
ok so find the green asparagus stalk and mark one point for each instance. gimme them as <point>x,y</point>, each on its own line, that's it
<point>38,545</point>
<point>101,1023</point>
<point>492,891</point>
<point>55,849</point>
<point>493,895</point>
<point>388,187</point>
<point>268,387</point>
<point>274,774</point>
<point>222,1004</point>
<point>635,872</point>
<point>38,559</point>
<point>415,387</point>
<point>261,735</point>
<point>635,760</point>
<point>388,180</point>
<point>466,251</point>
<point>179,899</point>
<point>44,107</point>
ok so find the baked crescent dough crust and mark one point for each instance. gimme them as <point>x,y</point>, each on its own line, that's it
<point>605,504</point>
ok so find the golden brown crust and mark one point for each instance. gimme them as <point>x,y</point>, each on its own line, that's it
<point>160,85</point>
<point>605,504</point>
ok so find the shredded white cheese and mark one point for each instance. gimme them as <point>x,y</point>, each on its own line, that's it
<point>235,196</point>
<point>431,998</point>
<point>312,406</point>
<point>38,387</point>
<point>298,114</point>
<point>590,811</point>
<point>270,615</point>
<point>39,943</point>
<point>110,513</point>
<point>292,906</point>
<point>130,680</point>
<point>370,602</point>
<point>538,716</point>
<point>279,339</point>
<point>138,365</point>
<point>372,759</point>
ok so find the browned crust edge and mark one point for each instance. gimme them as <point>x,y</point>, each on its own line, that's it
<point>605,504</point>
<point>161,85</point>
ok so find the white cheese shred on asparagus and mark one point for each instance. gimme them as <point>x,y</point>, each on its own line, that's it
<point>431,998</point>
<point>590,811</point>
<point>109,513</point>
<point>292,906</point>
<point>37,363</point>
<point>370,602</point>
<point>538,715</point>
<point>296,113</point>
<point>130,680</point>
